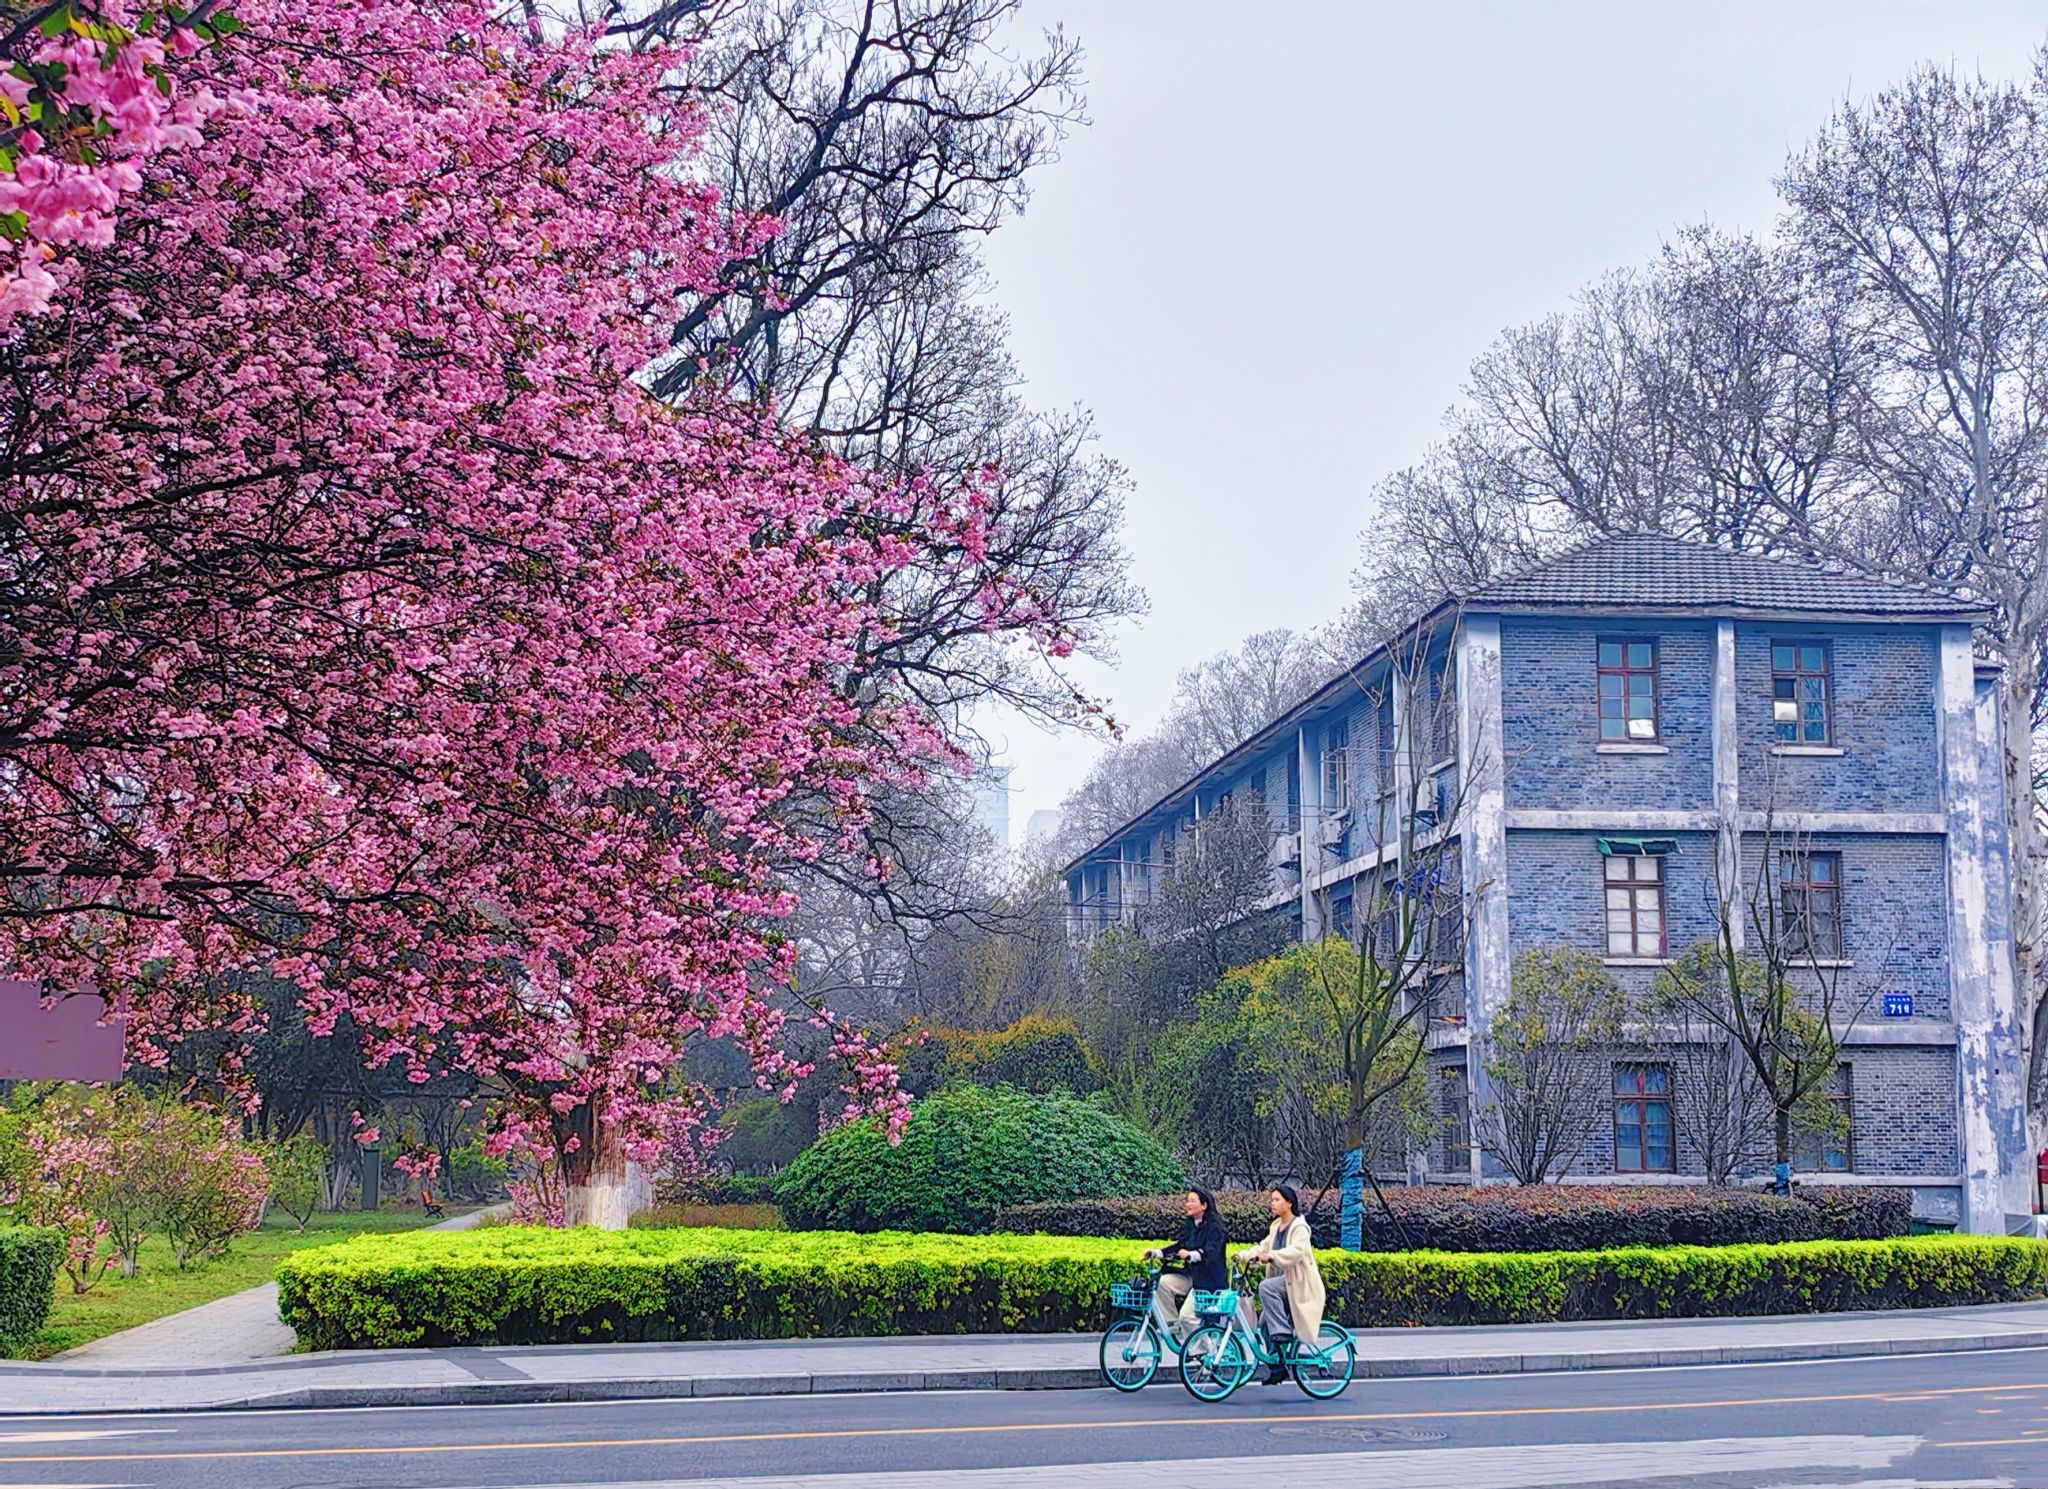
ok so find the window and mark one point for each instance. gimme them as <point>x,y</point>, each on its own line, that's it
<point>1454,1106</point>
<point>1799,692</point>
<point>1337,766</point>
<point>1293,792</point>
<point>1168,841</point>
<point>1443,719</point>
<point>1810,903</point>
<point>1635,904</point>
<point>1628,690</point>
<point>1830,1149</point>
<point>1642,1120</point>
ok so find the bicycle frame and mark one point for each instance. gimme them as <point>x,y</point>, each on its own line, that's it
<point>1242,1322</point>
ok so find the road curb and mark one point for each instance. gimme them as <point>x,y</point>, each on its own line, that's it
<point>1037,1378</point>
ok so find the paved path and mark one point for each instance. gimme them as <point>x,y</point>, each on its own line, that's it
<point>596,1372</point>
<point>1886,1422</point>
<point>241,1327</point>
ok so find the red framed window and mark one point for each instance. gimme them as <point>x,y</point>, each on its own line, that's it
<point>1810,903</point>
<point>1635,904</point>
<point>1800,692</point>
<point>1642,1120</point>
<point>1628,691</point>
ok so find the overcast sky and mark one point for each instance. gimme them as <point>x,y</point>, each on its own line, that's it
<point>1292,223</point>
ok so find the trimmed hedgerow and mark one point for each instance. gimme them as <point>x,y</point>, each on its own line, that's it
<point>1549,1217</point>
<point>29,1258</point>
<point>966,1151</point>
<point>514,1285</point>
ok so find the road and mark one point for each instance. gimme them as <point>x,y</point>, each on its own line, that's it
<point>1959,1419</point>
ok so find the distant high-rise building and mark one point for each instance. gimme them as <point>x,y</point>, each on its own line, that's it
<point>1042,826</point>
<point>990,788</point>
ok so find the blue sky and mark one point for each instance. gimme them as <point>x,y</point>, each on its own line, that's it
<point>1292,223</point>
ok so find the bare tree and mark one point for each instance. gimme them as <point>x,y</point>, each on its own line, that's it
<point>1926,205</point>
<point>1774,980</point>
<point>1718,1114</point>
<point>1220,703</point>
<point>1547,1062</point>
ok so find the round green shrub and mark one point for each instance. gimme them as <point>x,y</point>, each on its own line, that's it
<point>967,1151</point>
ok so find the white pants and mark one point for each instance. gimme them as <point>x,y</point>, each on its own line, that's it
<point>1173,1303</point>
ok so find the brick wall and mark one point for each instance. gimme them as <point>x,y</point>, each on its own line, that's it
<point>1903,1109</point>
<point>1883,718</point>
<point>1550,718</point>
<point>1894,915</point>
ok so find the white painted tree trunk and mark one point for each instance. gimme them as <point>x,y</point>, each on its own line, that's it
<point>612,1191</point>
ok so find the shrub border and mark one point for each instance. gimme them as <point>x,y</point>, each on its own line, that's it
<point>569,1287</point>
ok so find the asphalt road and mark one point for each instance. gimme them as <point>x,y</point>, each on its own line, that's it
<point>1962,1419</point>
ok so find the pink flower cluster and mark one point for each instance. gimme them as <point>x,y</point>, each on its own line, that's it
<point>379,631</point>
<point>86,103</point>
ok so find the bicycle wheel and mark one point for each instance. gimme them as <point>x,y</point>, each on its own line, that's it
<point>1214,1362</point>
<point>1326,1370</point>
<point>1130,1354</point>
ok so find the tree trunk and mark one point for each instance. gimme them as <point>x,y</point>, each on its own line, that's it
<point>601,1186</point>
<point>1782,1136</point>
<point>2024,835</point>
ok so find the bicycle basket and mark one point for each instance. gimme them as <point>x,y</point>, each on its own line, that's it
<point>1130,1297</point>
<point>1216,1304</point>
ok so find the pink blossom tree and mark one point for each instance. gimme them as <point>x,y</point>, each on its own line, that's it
<point>372,626</point>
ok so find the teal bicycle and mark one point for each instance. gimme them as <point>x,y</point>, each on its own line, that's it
<point>1223,1354</point>
<point>1134,1344</point>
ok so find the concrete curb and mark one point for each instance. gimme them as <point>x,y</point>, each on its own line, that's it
<point>519,1392</point>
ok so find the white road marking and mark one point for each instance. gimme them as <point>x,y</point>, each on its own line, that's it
<point>1519,1467</point>
<point>84,1434</point>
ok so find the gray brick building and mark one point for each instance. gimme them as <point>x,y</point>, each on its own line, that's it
<point>1693,704</point>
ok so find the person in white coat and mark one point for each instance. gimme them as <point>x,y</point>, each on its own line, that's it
<point>1290,1303</point>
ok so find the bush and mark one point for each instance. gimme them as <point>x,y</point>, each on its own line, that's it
<point>29,1258</point>
<point>1550,1217</point>
<point>717,1189</point>
<point>666,1215</point>
<point>1036,1054</point>
<point>528,1286</point>
<point>965,1152</point>
<point>476,1174</point>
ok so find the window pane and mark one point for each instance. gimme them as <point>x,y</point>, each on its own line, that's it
<point>1610,654</point>
<point>1639,687</point>
<point>1610,684</point>
<point>1617,899</point>
<point>1812,659</point>
<point>1620,943</point>
<point>1781,658</point>
<point>1649,866</point>
<point>1613,728</point>
<point>1639,654</point>
<point>1823,868</point>
<point>1624,1081</point>
<point>1657,1080</point>
<point>1620,921</point>
<point>1785,711</point>
<point>1642,726</point>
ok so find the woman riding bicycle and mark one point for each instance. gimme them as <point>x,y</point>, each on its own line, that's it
<point>1199,1255</point>
<point>1291,1304</point>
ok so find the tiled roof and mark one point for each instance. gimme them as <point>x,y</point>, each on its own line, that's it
<point>1645,571</point>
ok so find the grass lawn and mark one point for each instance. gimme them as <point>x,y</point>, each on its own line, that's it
<point>158,1287</point>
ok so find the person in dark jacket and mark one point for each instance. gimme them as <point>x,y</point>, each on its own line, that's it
<point>1197,1262</point>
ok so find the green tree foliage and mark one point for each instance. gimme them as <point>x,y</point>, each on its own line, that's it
<point>966,1152</point>
<point>1036,1053</point>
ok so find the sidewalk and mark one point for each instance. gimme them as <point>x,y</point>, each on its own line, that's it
<point>241,1327</point>
<point>976,1362</point>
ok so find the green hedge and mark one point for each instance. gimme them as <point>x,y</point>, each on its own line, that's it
<point>966,1151</point>
<point>513,1285</point>
<point>29,1258</point>
<point>1540,1217</point>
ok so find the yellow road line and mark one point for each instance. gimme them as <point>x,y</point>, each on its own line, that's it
<point>1207,1419</point>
